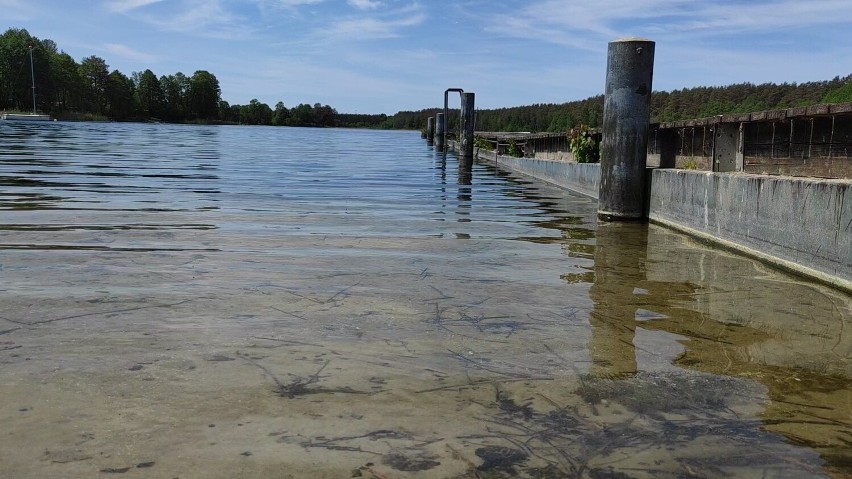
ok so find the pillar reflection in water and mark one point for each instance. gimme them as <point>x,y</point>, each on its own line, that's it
<point>619,269</point>
<point>730,316</point>
<point>465,192</point>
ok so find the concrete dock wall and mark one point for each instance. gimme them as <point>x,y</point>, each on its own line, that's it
<point>798,224</point>
<point>580,177</point>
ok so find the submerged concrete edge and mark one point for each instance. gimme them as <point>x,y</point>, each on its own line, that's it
<point>780,263</point>
<point>579,178</point>
<point>570,176</point>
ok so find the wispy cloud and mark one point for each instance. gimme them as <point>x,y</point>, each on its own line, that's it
<point>128,53</point>
<point>373,28</point>
<point>291,6</point>
<point>16,10</point>
<point>201,17</point>
<point>762,16</point>
<point>365,4</point>
<point>578,24</point>
<point>293,3</point>
<point>387,24</point>
<point>122,6</point>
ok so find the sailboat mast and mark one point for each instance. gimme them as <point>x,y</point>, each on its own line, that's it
<point>32,73</point>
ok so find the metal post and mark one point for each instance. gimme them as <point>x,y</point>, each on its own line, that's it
<point>447,111</point>
<point>627,114</point>
<point>811,140</point>
<point>32,73</point>
<point>467,125</point>
<point>440,133</point>
<point>430,129</point>
<point>772,148</point>
<point>831,139</point>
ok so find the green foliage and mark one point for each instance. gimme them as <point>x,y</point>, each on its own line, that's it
<point>256,113</point>
<point>514,150</point>
<point>355,120</point>
<point>583,145</point>
<point>119,93</point>
<point>280,115</point>
<point>480,142</point>
<point>94,72</point>
<point>685,104</point>
<point>149,94</point>
<point>203,95</point>
<point>841,94</point>
<point>690,164</point>
<point>87,90</point>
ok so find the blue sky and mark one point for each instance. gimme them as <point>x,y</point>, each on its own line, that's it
<point>382,56</point>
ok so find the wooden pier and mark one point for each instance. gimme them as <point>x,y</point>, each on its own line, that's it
<point>803,141</point>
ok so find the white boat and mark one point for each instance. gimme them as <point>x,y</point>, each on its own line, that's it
<point>24,117</point>
<point>27,116</point>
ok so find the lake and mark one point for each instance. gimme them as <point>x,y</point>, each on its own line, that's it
<point>227,301</point>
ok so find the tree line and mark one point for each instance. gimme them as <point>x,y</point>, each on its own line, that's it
<point>684,104</point>
<point>87,89</point>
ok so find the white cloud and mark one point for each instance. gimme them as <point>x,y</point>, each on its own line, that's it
<point>562,22</point>
<point>126,52</point>
<point>365,4</point>
<point>122,6</point>
<point>372,28</point>
<point>295,3</point>
<point>16,10</point>
<point>387,24</point>
<point>277,5</point>
<point>201,17</point>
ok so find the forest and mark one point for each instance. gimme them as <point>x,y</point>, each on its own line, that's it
<point>88,90</point>
<point>685,104</point>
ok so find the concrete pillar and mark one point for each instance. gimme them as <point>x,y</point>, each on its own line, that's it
<point>440,128</point>
<point>627,114</point>
<point>727,147</point>
<point>430,129</point>
<point>467,125</point>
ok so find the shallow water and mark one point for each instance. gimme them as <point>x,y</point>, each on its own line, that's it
<point>197,302</point>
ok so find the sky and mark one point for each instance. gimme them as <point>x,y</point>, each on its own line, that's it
<point>384,56</point>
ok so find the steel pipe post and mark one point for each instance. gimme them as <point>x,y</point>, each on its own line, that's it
<point>440,128</point>
<point>467,125</point>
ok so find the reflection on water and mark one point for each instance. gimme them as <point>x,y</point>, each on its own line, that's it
<point>721,319</point>
<point>260,302</point>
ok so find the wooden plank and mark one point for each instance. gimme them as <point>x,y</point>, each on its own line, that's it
<point>797,111</point>
<point>840,108</point>
<point>736,118</point>
<point>818,110</point>
<point>776,114</point>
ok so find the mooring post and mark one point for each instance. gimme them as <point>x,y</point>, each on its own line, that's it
<point>467,125</point>
<point>430,129</point>
<point>440,127</point>
<point>627,114</point>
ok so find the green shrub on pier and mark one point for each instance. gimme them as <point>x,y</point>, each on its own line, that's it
<point>582,145</point>
<point>514,149</point>
<point>483,143</point>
